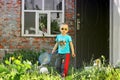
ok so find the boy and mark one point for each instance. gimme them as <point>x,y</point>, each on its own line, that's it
<point>63,44</point>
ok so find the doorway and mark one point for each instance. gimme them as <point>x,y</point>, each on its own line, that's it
<point>92,30</point>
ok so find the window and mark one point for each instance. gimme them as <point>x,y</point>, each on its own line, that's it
<point>42,17</point>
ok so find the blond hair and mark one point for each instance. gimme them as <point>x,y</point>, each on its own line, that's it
<point>63,24</point>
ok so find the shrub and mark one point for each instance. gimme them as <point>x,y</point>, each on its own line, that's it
<point>15,68</point>
<point>25,54</point>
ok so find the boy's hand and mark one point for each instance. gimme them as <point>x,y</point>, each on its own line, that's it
<point>73,55</point>
<point>52,52</point>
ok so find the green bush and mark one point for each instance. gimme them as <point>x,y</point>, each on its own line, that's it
<point>16,68</point>
<point>25,54</point>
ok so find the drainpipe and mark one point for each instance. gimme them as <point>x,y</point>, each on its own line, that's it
<point>111,33</point>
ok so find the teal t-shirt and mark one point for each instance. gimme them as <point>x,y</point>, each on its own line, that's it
<point>63,43</point>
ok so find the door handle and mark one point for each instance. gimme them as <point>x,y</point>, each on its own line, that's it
<point>78,24</point>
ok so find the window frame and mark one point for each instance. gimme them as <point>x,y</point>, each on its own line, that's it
<point>37,12</point>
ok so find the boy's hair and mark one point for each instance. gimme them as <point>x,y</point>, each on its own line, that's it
<point>63,24</point>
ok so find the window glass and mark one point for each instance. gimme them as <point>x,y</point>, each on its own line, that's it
<point>56,20</point>
<point>29,23</point>
<point>53,4</point>
<point>33,5</point>
<point>42,17</point>
<point>42,23</point>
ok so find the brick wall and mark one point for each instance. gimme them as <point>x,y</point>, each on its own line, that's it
<point>70,16</point>
<point>10,27</point>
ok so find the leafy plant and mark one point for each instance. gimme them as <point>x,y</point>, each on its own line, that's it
<point>15,68</point>
<point>54,27</point>
<point>43,23</point>
<point>25,54</point>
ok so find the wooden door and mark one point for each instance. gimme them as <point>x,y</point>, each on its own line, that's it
<point>92,34</point>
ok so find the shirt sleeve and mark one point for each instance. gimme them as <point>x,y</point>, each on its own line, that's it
<point>70,39</point>
<point>56,39</point>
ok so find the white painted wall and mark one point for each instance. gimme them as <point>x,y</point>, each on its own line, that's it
<point>115,31</point>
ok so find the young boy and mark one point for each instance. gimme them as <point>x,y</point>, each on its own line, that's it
<point>63,44</point>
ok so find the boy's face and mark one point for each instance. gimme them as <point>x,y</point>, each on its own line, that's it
<point>64,29</point>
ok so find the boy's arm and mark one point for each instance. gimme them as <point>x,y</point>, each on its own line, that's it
<point>55,47</point>
<point>72,49</point>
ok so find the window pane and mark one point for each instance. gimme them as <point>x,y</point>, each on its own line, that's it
<point>42,17</point>
<point>56,20</point>
<point>42,23</point>
<point>29,23</point>
<point>33,5</point>
<point>53,4</point>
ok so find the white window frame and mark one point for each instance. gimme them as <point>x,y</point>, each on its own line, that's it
<point>48,12</point>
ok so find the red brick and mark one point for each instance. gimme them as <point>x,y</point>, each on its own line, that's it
<point>12,47</point>
<point>18,1</point>
<point>4,40</point>
<point>37,39</point>
<point>1,46</point>
<point>20,47</point>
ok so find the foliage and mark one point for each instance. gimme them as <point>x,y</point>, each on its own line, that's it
<point>25,54</point>
<point>43,22</point>
<point>103,72</point>
<point>15,68</point>
<point>95,73</point>
<point>54,27</point>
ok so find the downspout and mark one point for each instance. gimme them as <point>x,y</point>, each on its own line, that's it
<point>111,32</point>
